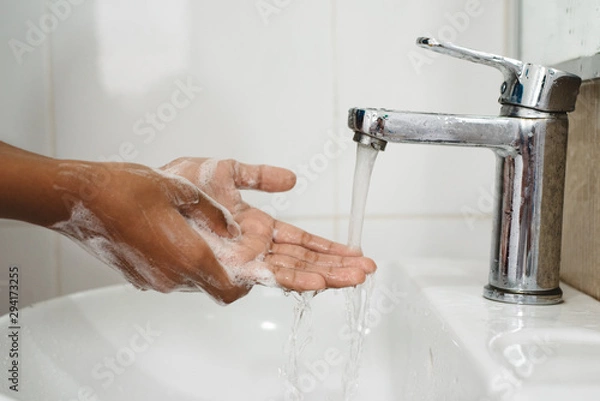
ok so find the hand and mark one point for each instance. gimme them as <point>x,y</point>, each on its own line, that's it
<point>300,261</point>
<point>166,233</point>
<point>158,228</point>
<point>136,220</point>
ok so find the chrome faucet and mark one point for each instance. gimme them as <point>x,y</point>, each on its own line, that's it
<point>529,138</point>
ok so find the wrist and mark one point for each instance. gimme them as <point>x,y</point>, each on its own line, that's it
<point>80,182</point>
<point>28,187</point>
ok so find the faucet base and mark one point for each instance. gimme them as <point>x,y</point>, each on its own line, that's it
<point>550,297</point>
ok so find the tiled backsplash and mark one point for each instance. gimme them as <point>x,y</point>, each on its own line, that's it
<point>262,85</point>
<point>580,264</point>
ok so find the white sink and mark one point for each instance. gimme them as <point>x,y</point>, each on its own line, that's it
<point>433,337</point>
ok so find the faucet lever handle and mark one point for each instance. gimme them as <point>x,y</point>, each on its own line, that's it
<point>508,66</point>
<point>525,84</point>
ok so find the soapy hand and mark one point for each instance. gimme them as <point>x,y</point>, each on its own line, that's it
<point>139,221</point>
<point>182,228</point>
<point>297,260</point>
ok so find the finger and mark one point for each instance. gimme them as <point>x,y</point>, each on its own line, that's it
<point>196,262</point>
<point>125,261</point>
<point>222,297</point>
<point>195,203</point>
<point>157,277</point>
<point>298,280</point>
<point>178,166</point>
<point>161,254</point>
<point>141,274</point>
<point>324,260</point>
<point>134,278</point>
<point>288,234</point>
<point>334,277</point>
<point>263,177</point>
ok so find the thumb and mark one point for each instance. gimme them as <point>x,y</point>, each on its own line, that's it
<point>192,202</point>
<point>214,216</point>
<point>263,177</point>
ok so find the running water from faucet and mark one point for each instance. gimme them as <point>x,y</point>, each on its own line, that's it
<point>299,338</point>
<point>358,298</point>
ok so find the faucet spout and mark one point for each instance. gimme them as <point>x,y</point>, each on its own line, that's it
<point>441,129</point>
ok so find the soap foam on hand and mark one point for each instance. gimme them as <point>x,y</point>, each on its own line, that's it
<point>85,229</point>
<point>240,272</point>
<point>89,232</point>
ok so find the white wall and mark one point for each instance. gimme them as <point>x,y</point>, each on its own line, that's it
<point>25,115</point>
<point>276,85</point>
<point>559,30</point>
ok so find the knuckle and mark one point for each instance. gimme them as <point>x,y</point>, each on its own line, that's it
<point>299,264</point>
<point>230,163</point>
<point>306,238</point>
<point>310,256</point>
<point>230,296</point>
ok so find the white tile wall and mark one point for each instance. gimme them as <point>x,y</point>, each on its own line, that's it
<point>23,73</point>
<point>275,89</point>
<point>559,30</point>
<point>26,122</point>
<point>259,82</point>
<point>375,71</point>
<point>389,238</point>
<point>33,251</point>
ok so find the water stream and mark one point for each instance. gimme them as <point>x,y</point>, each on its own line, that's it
<point>299,338</point>
<point>357,299</point>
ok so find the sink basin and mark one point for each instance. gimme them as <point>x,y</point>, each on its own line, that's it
<point>432,337</point>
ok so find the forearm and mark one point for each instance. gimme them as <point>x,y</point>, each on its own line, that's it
<point>28,187</point>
